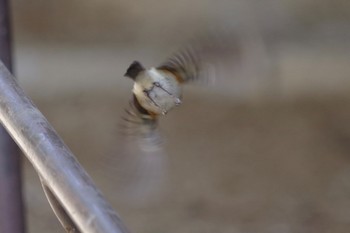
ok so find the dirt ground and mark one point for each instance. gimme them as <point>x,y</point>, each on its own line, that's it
<point>231,167</point>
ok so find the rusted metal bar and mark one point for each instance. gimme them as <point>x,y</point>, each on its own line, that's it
<point>11,205</point>
<point>54,162</point>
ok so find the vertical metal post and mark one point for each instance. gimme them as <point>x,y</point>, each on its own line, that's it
<point>11,205</point>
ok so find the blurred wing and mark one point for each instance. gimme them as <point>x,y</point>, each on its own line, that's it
<point>139,163</point>
<point>200,60</point>
<point>140,127</point>
<point>184,64</point>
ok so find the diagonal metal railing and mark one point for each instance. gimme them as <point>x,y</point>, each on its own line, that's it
<point>59,170</point>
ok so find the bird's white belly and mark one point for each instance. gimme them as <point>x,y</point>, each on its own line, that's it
<point>159,100</point>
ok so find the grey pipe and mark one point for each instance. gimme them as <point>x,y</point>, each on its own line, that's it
<point>54,162</point>
<point>59,211</point>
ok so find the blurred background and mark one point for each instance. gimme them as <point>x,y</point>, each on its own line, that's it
<point>269,144</point>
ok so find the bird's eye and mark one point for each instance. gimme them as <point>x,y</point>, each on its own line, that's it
<point>157,84</point>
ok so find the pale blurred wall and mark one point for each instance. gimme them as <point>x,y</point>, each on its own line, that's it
<point>303,46</point>
<point>130,21</point>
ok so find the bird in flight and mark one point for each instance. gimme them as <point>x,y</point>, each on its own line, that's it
<point>155,92</point>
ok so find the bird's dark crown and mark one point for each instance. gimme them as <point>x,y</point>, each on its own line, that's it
<point>134,69</point>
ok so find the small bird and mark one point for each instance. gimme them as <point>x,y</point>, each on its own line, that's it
<point>157,90</point>
<point>141,161</point>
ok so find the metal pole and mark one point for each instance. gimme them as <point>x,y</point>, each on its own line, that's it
<point>59,211</point>
<point>11,205</point>
<point>54,162</point>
